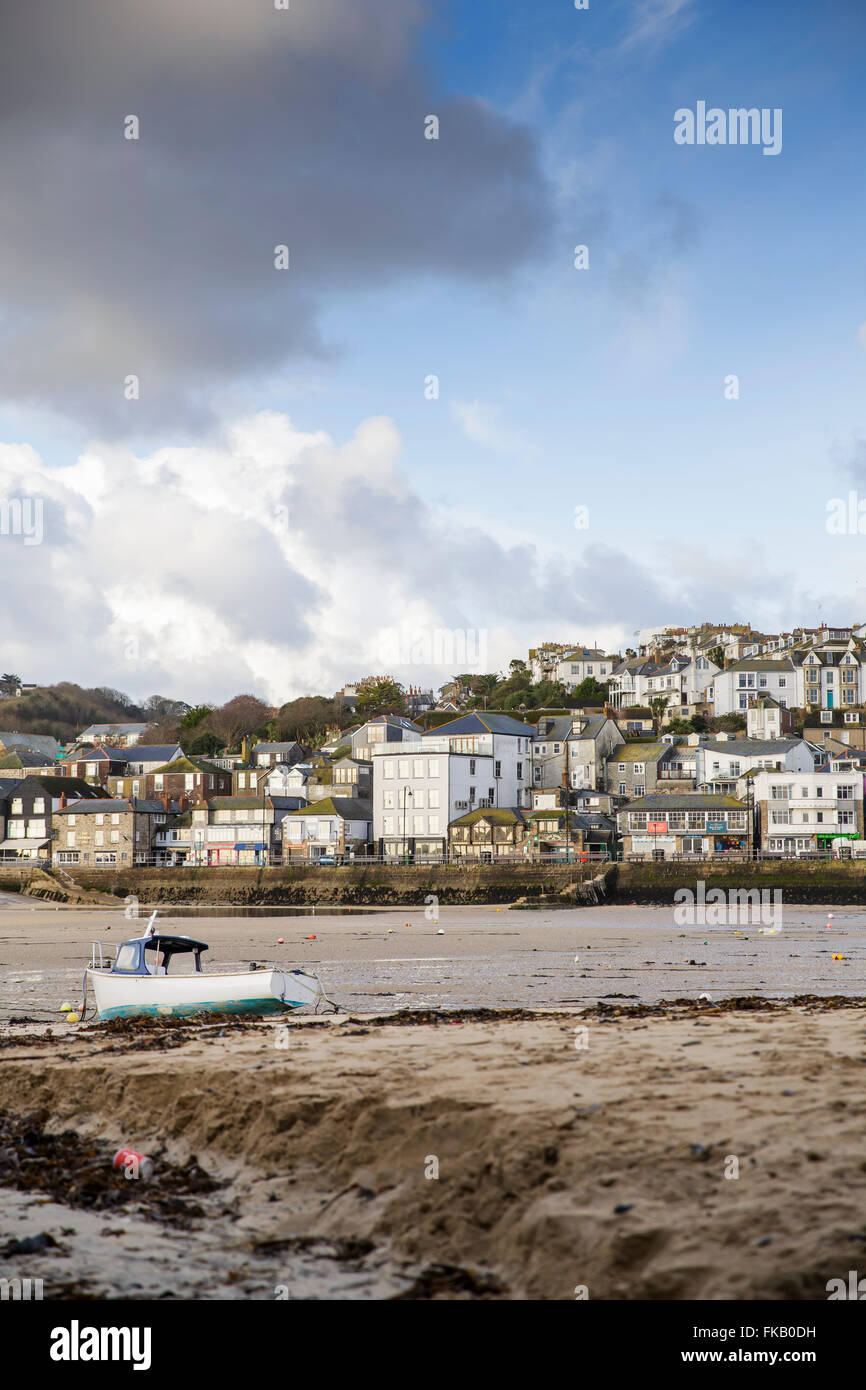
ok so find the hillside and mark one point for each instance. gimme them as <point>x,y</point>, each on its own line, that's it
<point>65,709</point>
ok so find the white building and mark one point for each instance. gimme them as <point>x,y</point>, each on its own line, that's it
<point>803,812</point>
<point>471,762</point>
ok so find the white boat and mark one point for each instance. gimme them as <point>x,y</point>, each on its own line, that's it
<point>140,982</point>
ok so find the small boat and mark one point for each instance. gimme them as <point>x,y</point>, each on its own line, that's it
<point>139,982</point>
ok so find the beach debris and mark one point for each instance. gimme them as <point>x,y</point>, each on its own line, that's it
<point>30,1245</point>
<point>440,932</point>
<point>699,1151</point>
<point>708,997</point>
<point>622,1207</point>
<point>66,1007</point>
<point>281,941</point>
<point>73,1017</point>
<point>835,957</point>
<point>764,1240</point>
<point>576,959</point>
<point>312,938</point>
<point>132,1164</point>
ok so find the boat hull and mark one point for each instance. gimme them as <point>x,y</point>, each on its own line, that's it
<point>182,996</point>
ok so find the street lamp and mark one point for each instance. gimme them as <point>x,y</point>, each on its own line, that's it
<point>407,791</point>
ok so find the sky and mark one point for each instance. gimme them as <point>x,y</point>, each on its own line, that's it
<point>420,439</point>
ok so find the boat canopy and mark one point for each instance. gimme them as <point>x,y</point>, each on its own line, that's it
<point>132,955</point>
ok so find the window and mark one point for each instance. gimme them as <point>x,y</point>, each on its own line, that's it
<point>471,793</point>
<point>491,794</point>
<point>388,797</point>
<point>845,817</point>
<point>115,837</point>
<point>520,772</point>
<point>99,837</point>
<point>639,769</point>
<point>783,682</point>
<point>471,767</point>
<point>639,789</point>
<point>418,798</point>
<point>497,768</point>
<point>621,789</point>
<point>39,806</point>
<point>418,767</point>
<point>433,768</point>
<point>70,838</point>
<point>780,817</point>
<point>70,820</point>
<point>388,825</point>
<point>417,825</point>
<point>432,825</point>
<point>403,767</point>
<point>100,820</point>
<point>845,792</point>
<point>782,793</point>
<point>433,798</point>
<point>388,768</point>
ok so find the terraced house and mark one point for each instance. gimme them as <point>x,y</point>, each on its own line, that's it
<point>104,832</point>
<point>485,835</point>
<point>684,823</point>
<point>31,807</point>
<point>804,813</point>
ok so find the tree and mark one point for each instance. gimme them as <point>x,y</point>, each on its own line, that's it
<point>589,692</point>
<point>658,704</point>
<point>306,719</point>
<point>165,730</point>
<point>237,719</point>
<point>160,706</point>
<point>194,716</point>
<point>9,683</point>
<point>204,746</point>
<point>379,695</point>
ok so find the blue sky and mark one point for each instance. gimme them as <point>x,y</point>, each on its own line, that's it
<point>558,387</point>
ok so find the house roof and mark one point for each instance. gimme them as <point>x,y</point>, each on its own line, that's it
<point>21,757</point>
<point>482,724</point>
<point>98,730</point>
<point>101,753</point>
<point>347,807</point>
<point>188,764</point>
<point>753,747</point>
<point>43,743</point>
<point>72,786</point>
<point>497,815</point>
<point>152,752</point>
<point>683,801</point>
<point>636,752</point>
<point>276,747</point>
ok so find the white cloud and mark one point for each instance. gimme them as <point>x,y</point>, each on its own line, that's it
<point>285,563</point>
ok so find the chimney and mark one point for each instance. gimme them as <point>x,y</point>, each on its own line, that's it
<point>166,801</point>
<point>63,801</point>
<point>184,803</point>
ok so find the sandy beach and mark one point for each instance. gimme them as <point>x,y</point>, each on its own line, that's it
<point>631,1146</point>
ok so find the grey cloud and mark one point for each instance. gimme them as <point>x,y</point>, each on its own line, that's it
<point>155,257</point>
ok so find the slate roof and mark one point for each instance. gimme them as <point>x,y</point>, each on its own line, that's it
<point>753,747</point>
<point>684,801</point>
<point>497,815</point>
<point>482,724</point>
<point>348,807</point>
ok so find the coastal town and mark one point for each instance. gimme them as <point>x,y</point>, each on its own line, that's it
<point>703,742</point>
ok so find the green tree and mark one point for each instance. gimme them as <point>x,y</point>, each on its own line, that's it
<point>379,695</point>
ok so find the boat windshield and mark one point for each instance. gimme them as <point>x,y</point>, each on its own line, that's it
<point>127,957</point>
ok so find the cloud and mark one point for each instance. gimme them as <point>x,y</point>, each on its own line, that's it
<point>285,562</point>
<point>258,128</point>
<point>655,23</point>
<point>482,423</point>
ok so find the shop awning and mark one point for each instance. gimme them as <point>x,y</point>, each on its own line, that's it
<point>22,844</point>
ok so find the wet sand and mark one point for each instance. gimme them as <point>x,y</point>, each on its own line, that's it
<point>646,1150</point>
<point>504,958</point>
